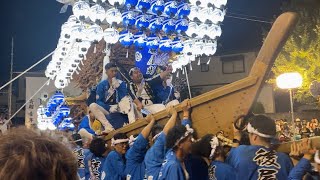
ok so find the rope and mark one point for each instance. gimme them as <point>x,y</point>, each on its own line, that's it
<point>27,70</point>
<point>26,102</point>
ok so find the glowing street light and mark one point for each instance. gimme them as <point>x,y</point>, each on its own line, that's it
<point>289,81</point>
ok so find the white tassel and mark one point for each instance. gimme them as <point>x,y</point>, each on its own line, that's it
<point>183,70</point>
<point>95,49</point>
<point>177,73</point>
<point>127,56</point>
<point>199,61</point>
<point>209,61</point>
<point>81,63</point>
<point>85,57</point>
<point>190,66</point>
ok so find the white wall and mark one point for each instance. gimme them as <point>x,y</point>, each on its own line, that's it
<point>33,84</point>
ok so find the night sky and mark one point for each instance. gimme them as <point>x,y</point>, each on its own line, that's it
<point>35,26</point>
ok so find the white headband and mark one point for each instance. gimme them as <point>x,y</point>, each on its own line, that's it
<point>156,136</point>
<point>132,140</point>
<point>118,141</point>
<point>214,143</point>
<point>316,157</point>
<point>78,140</point>
<point>186,134</point>
<point>251,129</point>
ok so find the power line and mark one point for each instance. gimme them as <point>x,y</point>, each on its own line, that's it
<point>27,70</point>
<point>249,16</point>
<point>248,19</point>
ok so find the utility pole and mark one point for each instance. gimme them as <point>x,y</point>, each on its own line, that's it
<point>10,86</point>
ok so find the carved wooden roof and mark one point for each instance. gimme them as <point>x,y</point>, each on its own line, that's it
<point>92,68</point>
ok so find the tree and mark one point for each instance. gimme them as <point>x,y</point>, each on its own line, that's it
<point>301,52</point>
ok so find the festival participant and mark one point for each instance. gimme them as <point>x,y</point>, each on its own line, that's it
<point>165,92</point>
<point>259,160</point>
<point>112,96</point>
<point>207,160</point>
<point>178,141</point>
<point>95,160</point>
<point>81,152</point>
<point>135,166</point>
<point>156,154</point>
<point>143,90</point>
<point>86,129</point>
<point>24,154</point>
<point>114,167</point>
<point>305,131</point>
<point>303,167</point>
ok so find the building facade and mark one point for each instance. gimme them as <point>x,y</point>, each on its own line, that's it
<point>210,73</point>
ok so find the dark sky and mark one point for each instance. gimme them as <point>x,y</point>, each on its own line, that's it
<point>35,26</point>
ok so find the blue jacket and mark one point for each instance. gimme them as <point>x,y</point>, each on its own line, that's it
<point>164,94</point>
<point>196,167</point>
<point>254,162</point>
<point>220,170</point>
<point>114,166</point>
<point>102,93</point>
<point>85,124</point>
<point>94,167</point>
<point>171,168</point>
<point>135,167</point>
<point>156,154</point>
<point>81,155</point>
<point>300,169</point>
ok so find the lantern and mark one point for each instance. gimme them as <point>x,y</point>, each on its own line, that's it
<point>97,14</point>
<point>81,10</point>
<point>157,7</point>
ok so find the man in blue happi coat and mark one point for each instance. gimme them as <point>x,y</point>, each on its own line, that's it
<point>112,96</point>
<point>156,154</point>
<point>135,166</point>
<point>259,160</point>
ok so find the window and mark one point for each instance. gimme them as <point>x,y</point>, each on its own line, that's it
<point>204,67</point>
<point>233,64</point>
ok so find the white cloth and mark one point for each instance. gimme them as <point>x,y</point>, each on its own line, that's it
<point>172,103</point>
<point>85,134</point>
<point>154,108</point>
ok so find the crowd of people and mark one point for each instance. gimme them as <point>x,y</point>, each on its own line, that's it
<point>299,129</point>
<point>159,152</point>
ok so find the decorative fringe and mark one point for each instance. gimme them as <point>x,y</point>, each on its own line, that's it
<point>95,49</point>
<point>199,61</point>
<point>85,57</point>
<point>209,61</point>
<point>177,73</point>
<point>183,70</point>
<point>127,56</point>
<point>190,66</point>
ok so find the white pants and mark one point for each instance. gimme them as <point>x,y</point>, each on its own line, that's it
<point>172,103</point>
<point>154,108</point>
<point>85,134</point>
<point>100,114</point>
<point>125,106</point>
